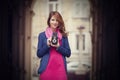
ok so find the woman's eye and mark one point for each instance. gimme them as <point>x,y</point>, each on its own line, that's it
<point>53,19</point>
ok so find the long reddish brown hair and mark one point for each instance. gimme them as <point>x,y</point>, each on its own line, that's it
<point>59,18</point>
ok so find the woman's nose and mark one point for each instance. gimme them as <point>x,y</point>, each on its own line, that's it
<point>56,21</point>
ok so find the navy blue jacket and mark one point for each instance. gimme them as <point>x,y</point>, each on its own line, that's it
<point>43,51</point>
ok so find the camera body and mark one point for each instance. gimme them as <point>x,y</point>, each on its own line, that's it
<point>54,38</point>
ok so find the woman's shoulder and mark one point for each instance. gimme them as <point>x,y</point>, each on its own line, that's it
<point>65,37</point>
<point>42,34</point>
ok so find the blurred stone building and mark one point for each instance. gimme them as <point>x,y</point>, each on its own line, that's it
<point>78,23</point>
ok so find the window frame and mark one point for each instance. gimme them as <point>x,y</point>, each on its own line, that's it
<point>58,2</point>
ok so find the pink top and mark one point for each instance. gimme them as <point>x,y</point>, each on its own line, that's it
<point>55,69</point>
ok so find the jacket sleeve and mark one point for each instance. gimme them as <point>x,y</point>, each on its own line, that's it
<point>64,49</point>
<point>42,47</point>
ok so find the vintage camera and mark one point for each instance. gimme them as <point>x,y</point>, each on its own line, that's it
<point>54,38</point>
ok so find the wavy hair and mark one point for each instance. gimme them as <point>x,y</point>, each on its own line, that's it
<point>59,18</point>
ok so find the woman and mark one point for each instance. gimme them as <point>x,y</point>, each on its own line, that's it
<point>53,56</point>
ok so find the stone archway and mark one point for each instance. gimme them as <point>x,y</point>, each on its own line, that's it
<point>23,39</point>
<point>28,30</point>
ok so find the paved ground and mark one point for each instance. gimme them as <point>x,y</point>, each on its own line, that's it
<point>72,76</point>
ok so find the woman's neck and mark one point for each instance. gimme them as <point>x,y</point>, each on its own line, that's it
<point>54,29</point>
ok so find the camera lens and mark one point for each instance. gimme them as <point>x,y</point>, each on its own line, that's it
<point>54,38</point>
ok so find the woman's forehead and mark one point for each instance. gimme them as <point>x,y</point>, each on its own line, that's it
<point>54,17</point>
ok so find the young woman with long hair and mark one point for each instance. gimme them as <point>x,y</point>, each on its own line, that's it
<point>53,49</point>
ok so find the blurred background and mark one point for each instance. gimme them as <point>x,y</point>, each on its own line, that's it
<point>93,27</point>
<point>78,23</point>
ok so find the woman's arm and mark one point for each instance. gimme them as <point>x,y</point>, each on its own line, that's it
<point>64,49</point>
<point>42,48</point>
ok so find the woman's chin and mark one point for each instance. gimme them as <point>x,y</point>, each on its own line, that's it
<point>55,27</point>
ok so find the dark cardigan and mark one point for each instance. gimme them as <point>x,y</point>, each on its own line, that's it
<point>43,51</point>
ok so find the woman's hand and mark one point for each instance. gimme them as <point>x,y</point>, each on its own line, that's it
<point>49,41</point>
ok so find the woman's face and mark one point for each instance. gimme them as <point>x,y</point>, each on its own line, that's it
<point>53,22</point>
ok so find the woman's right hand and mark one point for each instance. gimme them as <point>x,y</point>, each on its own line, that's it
<point>49,41</point>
